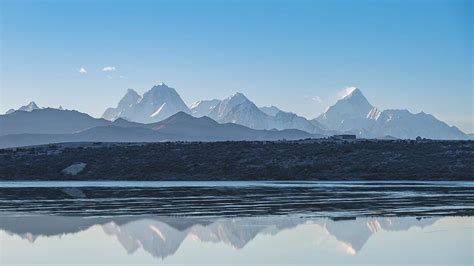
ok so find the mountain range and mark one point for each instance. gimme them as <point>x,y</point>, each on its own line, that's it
<point>352,114</point>
<point>162,236</point>
<point>49,125</point>
<point>161,115</point>
<point>28,108</point>
<point>161,102</point>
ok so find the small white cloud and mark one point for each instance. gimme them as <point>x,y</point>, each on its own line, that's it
<point>82,70</point>
<point>109,69</point>
<point>109,77</point>
<point>121,77</point>
<point>314,98</point>
<point>317,99</point>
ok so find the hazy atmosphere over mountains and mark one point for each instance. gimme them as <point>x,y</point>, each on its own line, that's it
<point>161,115</point>
<point>351,114</point>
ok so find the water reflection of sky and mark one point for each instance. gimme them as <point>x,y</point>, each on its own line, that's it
<point>253,240</point>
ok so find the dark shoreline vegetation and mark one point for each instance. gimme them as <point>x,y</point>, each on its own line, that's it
<point>244,160</point>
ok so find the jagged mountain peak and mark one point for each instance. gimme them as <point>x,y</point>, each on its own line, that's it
<point>27,108</point>
<point>226,105</point>
<point>160,89</point>
<point>131,97</point>
<point>157,93</point>
<point>160,85</point>
<point>356,97</point>
<point>131,92</point>
<point>158,103</point>
<point>238,96</point>
<point>349,112</point>
<point>234,100</point>
<point>32,105</point>
<point>353,92</point>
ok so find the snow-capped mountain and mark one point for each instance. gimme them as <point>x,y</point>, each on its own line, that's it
<point>283,120</point>
<point>348,114</point>
<point>130,98</point>
<point>220,111</point>
<point>27,108</point>
<point>355,114</point>
<point>235,109</point>
<point>404,124</point>
<point>351,114</point>
<point>238,109</point>
<point>203,108</point>
<point>159,103</point>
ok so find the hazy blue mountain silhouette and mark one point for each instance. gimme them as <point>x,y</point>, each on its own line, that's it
<point>46,126</point>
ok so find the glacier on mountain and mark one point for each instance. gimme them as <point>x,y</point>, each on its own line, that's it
<point>352,114</point>
<point>159,103</point>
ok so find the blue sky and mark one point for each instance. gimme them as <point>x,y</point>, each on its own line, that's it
<point>297,55</point>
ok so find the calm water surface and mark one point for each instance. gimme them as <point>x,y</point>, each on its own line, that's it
<point>222,223</point>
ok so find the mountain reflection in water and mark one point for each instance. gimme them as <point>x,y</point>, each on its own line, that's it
<point>133,223</point>
<point>340,241</point>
